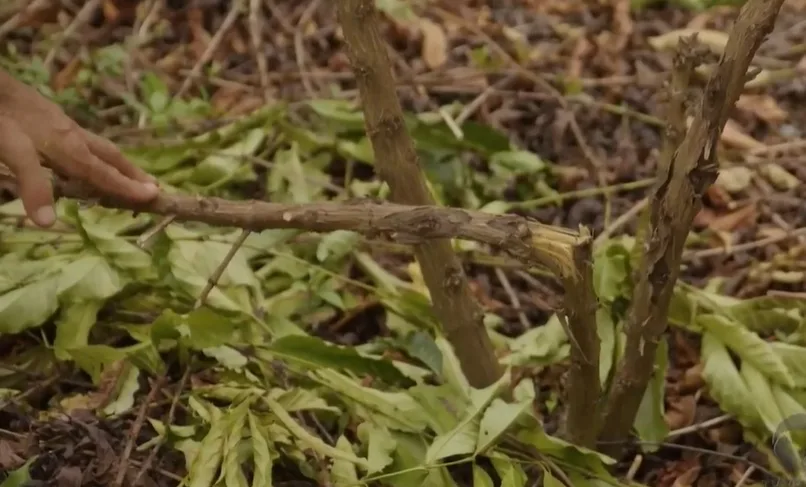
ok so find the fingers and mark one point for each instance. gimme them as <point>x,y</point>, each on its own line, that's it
<point>95,160</point>
<point>18,152</point>
<point>110,154</point>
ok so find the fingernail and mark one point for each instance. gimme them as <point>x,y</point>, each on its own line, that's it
<point>152,188</point>
<point>45,216</point>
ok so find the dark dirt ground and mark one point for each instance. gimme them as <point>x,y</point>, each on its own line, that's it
<point>599,43</point>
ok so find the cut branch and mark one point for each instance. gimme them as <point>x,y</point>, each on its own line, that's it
<point>584,387</point>
<point>682,180</point>
<point>454,306</point>
<point>528,241</point>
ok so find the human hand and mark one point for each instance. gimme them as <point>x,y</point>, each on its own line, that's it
<point>31,125</point>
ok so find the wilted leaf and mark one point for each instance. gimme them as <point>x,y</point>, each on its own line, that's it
<point>649,421</point>
<point>481,478</point>
<point>762,398</point>
<point>725,384</point>
<point>263,459</point>
<point>748,346</point>
<point>29,305</point>
<point>202,473</point>
<point>73,326</point>
<point>314,353</point>
<point>380,445</point>
<point>311,441</point>
<point>464,437</point>
<point>395,410</point>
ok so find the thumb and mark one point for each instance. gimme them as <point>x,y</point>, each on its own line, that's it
<point>18,152</point>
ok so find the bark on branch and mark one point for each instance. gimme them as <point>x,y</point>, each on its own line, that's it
<point>682,180</point>
<point>528,241</point>
<point>398,165</point>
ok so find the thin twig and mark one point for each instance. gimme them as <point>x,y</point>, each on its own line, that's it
<point>81,18</point>
<point>144,240</point>
<point>207,55</point>
<point>256,34</point>
<point>146,465</point>
<point>134,432</point>
<point>513,297</point>
<point>620,222</point>
<point>299,46</point>
<point>11,24</point>
<point>219,271</point>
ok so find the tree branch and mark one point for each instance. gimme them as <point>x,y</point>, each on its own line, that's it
<point>398,165</point>
<point>683,179</point>
<point>528,241</point>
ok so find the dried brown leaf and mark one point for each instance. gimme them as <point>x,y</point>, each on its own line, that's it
<point>435,44</point>
<point>762,106</point>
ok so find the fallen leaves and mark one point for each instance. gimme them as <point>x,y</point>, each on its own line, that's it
<point>435,44</point>
<point>762,106</point>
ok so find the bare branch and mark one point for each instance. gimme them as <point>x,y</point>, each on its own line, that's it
<point>683,178</point>
<point>453,303</point>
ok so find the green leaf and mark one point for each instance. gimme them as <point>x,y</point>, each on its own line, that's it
<point>343,113</point>
<point>395,410</point>
<point>20,477</point>
<point>314,352</point>
<point>497,419</point>
<point>442,406</point>
<point>380,445</point>
<point>509,471</point>
<point>263,459</point>
<point>542,343</point>
<point>231,464</point>
<point>288,178</point>
<point>520,161</point>
<point>200,329</point>
<point>230,163</point>
<point>93,359</point>
<point>422,346</point>
<point>311,441</point>
<point>725,384</point>
<point>549,480</point>
<point>794,357</point>
<point>73,326</point>
<point>343,472</point>
<point>202,471</point>
<point>650,422</point>
<point>748,346</point>
<point>336,245</point>
<point>28,306</point>
<point>763,398</point>
<point>124,399</point>
<point>606,329</point>
<point>451,372</point>
<point>90,278</point>
<point>611,271</point>
<point>582,458</point>
<point>463,439</point>
<point>766,314</point>
<point>481,478</point>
